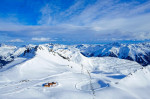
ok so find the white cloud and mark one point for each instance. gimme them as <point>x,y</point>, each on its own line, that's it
<point>42,39</point>
<point>16,40</point>
<point>133,24</point>
<point>104,19</point>
<point>76,7</point>
<point>46,18</point>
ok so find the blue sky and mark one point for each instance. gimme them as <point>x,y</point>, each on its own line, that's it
<point>82,21</point>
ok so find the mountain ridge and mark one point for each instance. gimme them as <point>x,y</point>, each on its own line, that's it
<point>135,52</point>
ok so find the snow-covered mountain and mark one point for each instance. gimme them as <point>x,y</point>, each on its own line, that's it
<point>6,54</point>
<point>9,53</point>
<point>77,76</point>
<point>135,52</point>
<point>137,82</point>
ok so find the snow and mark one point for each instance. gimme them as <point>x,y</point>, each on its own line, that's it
<point>77,76</point>
<point>137,83</point>
<point>6,51</point>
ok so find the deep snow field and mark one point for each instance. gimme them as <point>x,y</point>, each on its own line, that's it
<point>77,76</point>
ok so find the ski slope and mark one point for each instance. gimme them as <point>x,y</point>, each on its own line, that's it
<point>77,76</point>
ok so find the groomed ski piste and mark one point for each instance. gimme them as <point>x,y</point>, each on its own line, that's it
<point>77,77</point>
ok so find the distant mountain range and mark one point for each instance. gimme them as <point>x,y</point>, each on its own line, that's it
<point>136,52</point>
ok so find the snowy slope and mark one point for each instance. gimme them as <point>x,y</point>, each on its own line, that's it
<point>73,54</point>
<point>138,78</point>
<point>137,83</point>
<point>77,76</point>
